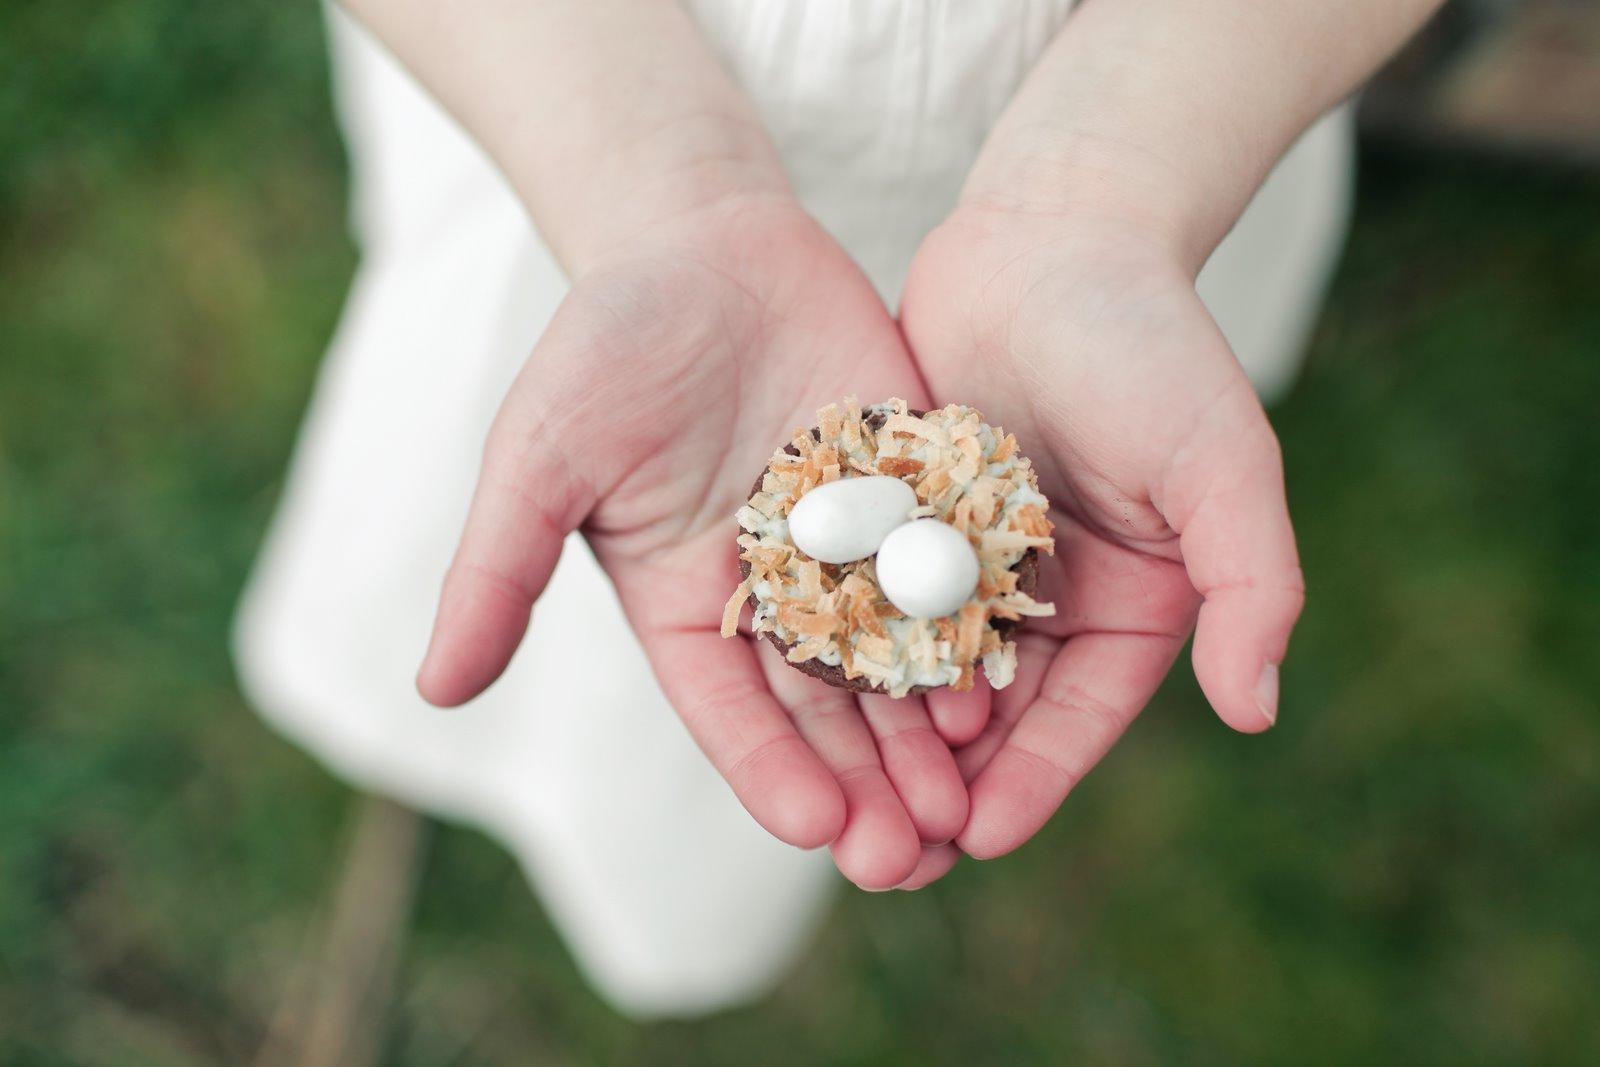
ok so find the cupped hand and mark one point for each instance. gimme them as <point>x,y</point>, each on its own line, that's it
<point>1086,339</point>
<point>657,393</point>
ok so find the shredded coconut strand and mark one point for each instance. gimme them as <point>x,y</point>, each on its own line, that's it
<point>965,472</point>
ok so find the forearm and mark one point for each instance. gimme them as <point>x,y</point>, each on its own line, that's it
<point>605,115</point>
<point>1167,116</point>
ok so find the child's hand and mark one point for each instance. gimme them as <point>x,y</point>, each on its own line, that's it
<point>656,395</point>
<point>1087,340</point>
<point>1059,299</point>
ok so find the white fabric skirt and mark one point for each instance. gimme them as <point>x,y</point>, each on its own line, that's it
<point>672,900</point>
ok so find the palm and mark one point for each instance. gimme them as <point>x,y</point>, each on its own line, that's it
<point>1094,349</point>
<point>654,398</point>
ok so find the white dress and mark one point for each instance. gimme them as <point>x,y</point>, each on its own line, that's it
<point>672,900</point>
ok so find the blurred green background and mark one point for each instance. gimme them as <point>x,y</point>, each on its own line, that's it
<point>1406,870</point>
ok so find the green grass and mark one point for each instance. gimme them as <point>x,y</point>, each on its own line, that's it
<point>1406,870</point>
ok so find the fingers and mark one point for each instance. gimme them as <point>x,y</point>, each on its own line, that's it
<point>526,502</point>
<point>935,863</point>
<point>959,717</point>
<point>878,846</point>
<point>1092,690</point>
<point>1035,653</point>
<point>919,765</point>
<point>1097,586</point>
<point>722,696</point>
<point>1226,500</point>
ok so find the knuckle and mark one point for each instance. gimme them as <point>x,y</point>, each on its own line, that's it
<point>507,585</point>
<point>746,765</point>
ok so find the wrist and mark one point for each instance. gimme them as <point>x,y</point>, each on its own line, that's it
<point>681,168</point>
<point>1083,183</point>
<point>724,227</point>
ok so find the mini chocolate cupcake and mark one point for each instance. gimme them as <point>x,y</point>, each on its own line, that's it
<point>835,620</point>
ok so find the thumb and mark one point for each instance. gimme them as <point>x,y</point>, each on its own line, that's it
<point>1223,493</point>
<point>527,500</point>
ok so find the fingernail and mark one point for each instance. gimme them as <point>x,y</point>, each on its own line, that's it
<point>1267,692</point>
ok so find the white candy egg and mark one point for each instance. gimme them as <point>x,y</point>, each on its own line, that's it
<point>927,569</point>
<point>848,519</point>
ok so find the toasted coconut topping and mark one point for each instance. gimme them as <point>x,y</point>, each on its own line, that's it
<point>730,612</point>
<point>965,472</point>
